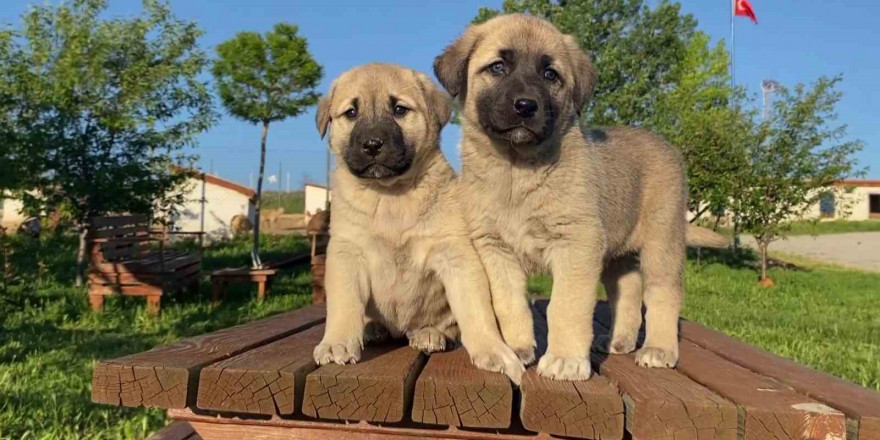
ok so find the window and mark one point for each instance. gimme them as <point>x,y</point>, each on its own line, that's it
<point>826,206</point>
<point>874,203</point>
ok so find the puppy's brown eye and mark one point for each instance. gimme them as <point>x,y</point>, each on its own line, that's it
<point>550,74</point>
<point>497,67</point>
<point>400,110</point>
<point>351,113</point>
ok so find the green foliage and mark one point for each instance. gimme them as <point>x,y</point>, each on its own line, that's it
<point>50,340</point>
<point>109,104</point>
<point>293,202</point>
<point>267,79</point>
<point>796,157</point>
<point>698,118</point>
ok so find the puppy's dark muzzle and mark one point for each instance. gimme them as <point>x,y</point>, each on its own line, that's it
<point>377,150</point>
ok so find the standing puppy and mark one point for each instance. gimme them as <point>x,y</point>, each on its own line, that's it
<point>587,205</point>
<point>400,258</point>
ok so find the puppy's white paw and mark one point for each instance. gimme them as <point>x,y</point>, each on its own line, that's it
<point>428,340</point>
<point>655,357</point>
<point>500,359</point>
<point>375,333</point>
<point>337,352</point>
<point>564,368</point>
<point>618,345</point>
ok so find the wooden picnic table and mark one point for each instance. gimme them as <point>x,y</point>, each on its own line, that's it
<point>258,380</point>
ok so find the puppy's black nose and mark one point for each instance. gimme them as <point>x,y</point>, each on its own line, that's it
<point>525,108</point>
<point>373,146</point>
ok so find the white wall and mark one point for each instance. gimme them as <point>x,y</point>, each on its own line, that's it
<point>859,205</point>
<point>315,198</point>
<point>11,215</point>
<point>221,205</point>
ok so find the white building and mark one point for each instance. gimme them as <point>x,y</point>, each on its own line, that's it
<point>223,200</point>
<point>316,198</point>
<point>862,201</point>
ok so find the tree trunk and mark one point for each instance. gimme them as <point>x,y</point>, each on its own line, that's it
<point>81,256</point>
<point>255,252</point>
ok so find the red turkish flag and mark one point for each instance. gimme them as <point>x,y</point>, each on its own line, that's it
<point>744,9</point>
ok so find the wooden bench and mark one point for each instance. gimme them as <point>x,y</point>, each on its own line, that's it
<point>318,230</point>
<point>121,261</point>
<point>220,279</point>
<point>258,380</point>
<point>178,430</point>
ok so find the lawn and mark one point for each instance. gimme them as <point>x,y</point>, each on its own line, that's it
<point>293,202</point>
<point>807,227</point>
<point>50,341</point>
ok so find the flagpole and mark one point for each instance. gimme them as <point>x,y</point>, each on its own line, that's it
<point>732,46</point>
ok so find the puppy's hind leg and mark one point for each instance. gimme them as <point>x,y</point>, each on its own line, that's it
<point>662,264</point>
<point>623,285</point>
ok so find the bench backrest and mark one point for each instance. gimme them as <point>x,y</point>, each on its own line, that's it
<point>119,238</point>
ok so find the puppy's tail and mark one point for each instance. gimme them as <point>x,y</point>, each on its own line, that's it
<point>697,236</point>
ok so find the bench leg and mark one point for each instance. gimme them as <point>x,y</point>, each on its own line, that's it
<point>97,302</point>
<point>217,290</point>
<point>154,304</point>
<point>261,290</point>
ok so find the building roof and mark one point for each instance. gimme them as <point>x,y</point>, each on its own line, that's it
<point>861,183</point>
<point>219,181</point>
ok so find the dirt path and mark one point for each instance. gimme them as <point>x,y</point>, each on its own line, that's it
<point>860,250</point>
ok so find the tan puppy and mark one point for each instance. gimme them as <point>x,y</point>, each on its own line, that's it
<point>399,256</point>
<point>587,205</point>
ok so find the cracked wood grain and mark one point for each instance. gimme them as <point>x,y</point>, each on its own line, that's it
<point>266,380</point>
<point>860,405</point>
<point>451,391</point>
<point>379,388</point>
<point>585,409</point>
<point>663,403</point>
<point>167,376</point>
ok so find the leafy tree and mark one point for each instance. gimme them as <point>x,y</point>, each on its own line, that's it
<point>110,104</point>
<point>266,79</point>
<point>797,156</point>
<point>698,118</point>
<point>635,50</point>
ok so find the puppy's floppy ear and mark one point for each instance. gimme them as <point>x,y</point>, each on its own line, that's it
<point>584,74</point>
<point>322,117</point>
<point>451,66</point>
<point>439,102</point>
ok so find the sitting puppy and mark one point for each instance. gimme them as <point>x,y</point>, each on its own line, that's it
<point>399,257</point>
<point>584,204</point>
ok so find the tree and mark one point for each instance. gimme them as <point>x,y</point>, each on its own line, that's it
<point>110,105</point>
<point>796,158</point>
<point>634,48</point>
<point>702,116</point>
<point>266,79</point>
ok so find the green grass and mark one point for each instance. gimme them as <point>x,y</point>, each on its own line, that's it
<point>819,315</point>
<point>806,227</point>
<point>293,202</point>
<point>50,341</point>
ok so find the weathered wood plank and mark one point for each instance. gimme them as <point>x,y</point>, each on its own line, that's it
<point>767,409</point>
<point>663,403</point>
<point>770,411</point>
<point>378,388</point>
<point>179,430</point>
<point>861,405</point>
<point>451,391</point>
<point>265,380</point>
<point>167,376</point>
<point>586,409</point>
<point>212,427</point>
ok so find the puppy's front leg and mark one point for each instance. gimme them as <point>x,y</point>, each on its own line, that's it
<point>347,293</point>
<point>576,269</point>
<point>507,281</point>
<point>457,265</point>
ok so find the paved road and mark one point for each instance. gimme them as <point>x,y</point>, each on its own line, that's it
<point>860,250</point>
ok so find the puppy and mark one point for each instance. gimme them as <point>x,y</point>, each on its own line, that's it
<point>545,194</point>
<point>399,257</point>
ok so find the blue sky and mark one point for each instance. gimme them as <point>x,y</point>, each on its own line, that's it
<point>796,41</point>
